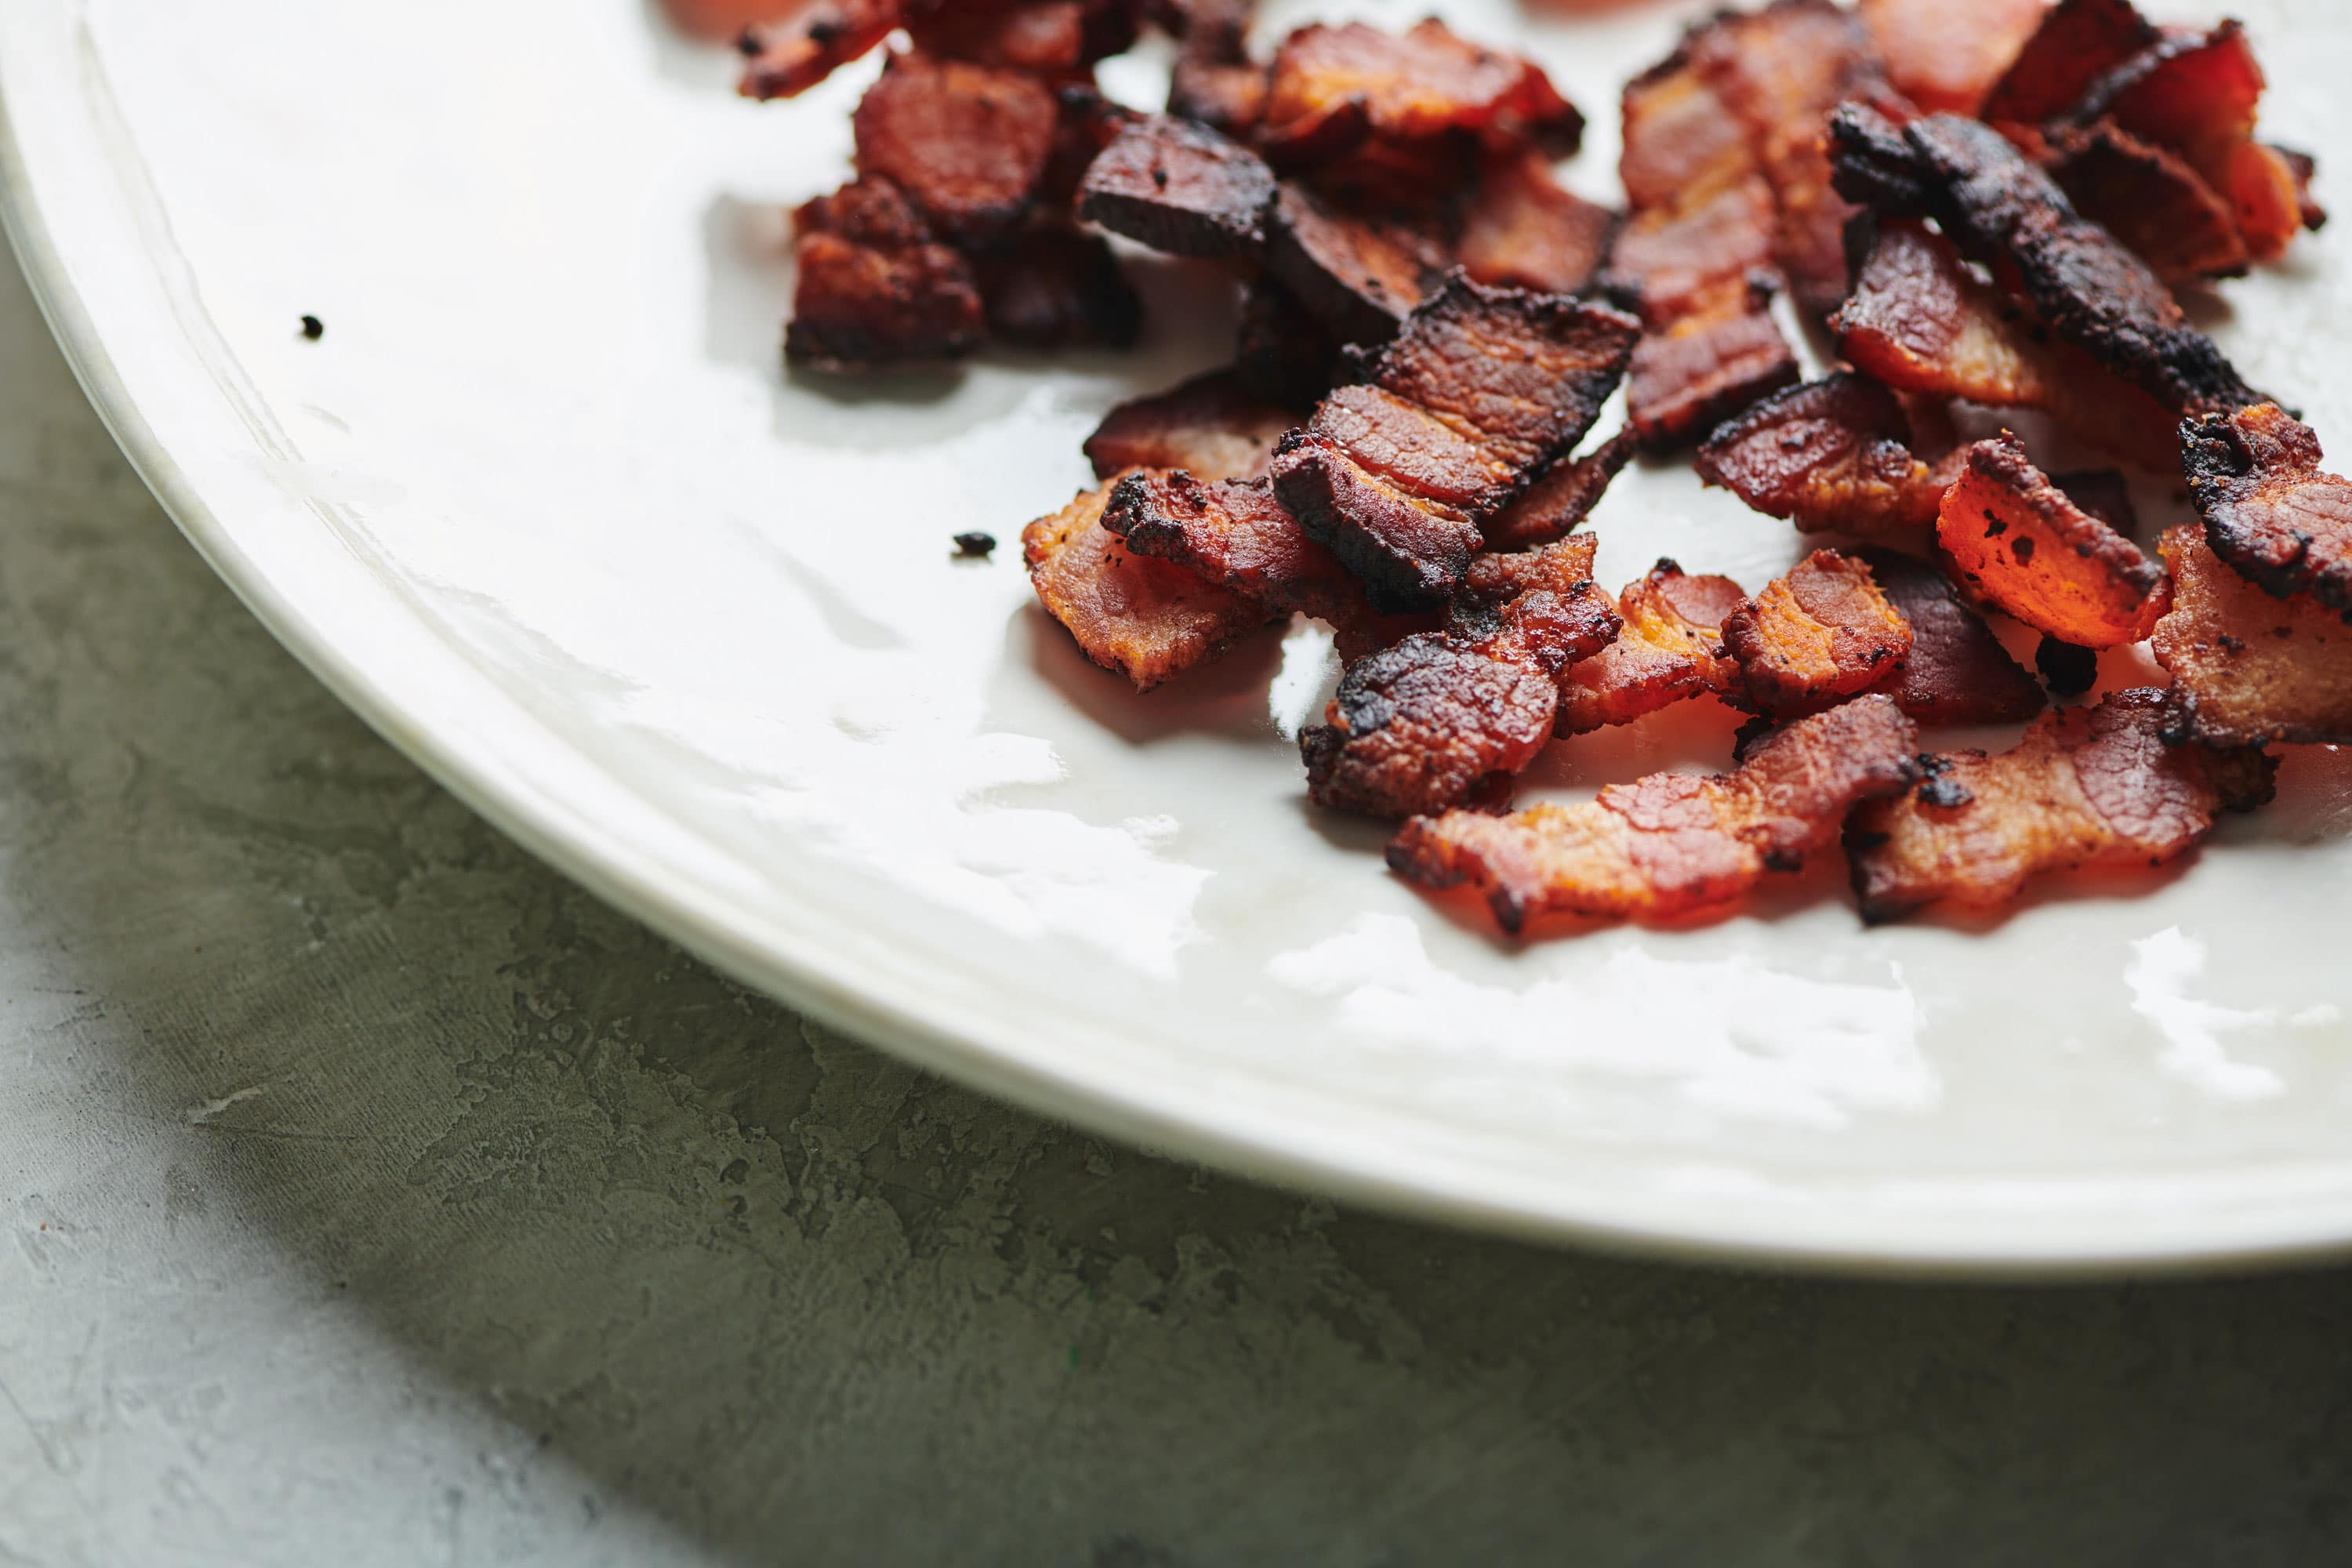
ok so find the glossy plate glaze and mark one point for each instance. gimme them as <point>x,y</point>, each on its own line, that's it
<point>543,506</point>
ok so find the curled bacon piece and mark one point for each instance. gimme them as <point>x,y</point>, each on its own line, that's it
<point>1946,54</point>
<point>1208,426</point>
<point>2023,543</point>
<point>2107,785</point>
<point>2003,211</point>
<point>2150,200</point>
<point>1832,456</point>
<point>1149,620</point>
<point>1671,650</point>
<point>2250,668</point>
<point>784,62</point>
<point>1480,391</point>
<point>1817,635</point>
<point>1524,230</point>
<point>1360,274</point>
<point>2077,42</point>
<point>1181,188</point>
<point>2269,510</point>
<point>1919,321</point>
<point>1672,844</point>
<point>1438,719</point>
<point>968,144</point>
<point>1957,671</point>
<point>872,288</point>
<point>1558,504</point>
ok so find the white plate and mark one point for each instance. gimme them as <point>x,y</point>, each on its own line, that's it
<point>544,508</point>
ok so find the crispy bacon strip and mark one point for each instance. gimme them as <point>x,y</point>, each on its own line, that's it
<point>1781,71</point>
<point>1524,230</point>
<point>2269,510</point>
<point>1830,456</point>
<point>1234,533</point>
<point>784,62</point>
<point>873,289</point>
<point>1671,650</point>
<point>1359,275</point>
<point>1054,38</point>
<point>1282,353</point>
<point>1820,633</point>
<point>1957,672</point>
<point>1558,504</point>
<point>2251,668</point>
<point>1946,54</point>
<point>2150,199</point>
<point>2003,211</point>
<point>1059,288</point>
<point>1701,229</point>
<point>1437,719</point>
<point>968,144</point>
<point>1919,321</point>
<point>1208,426</point>
<point>2107,785</point>
<point>1338,88</point>
<point>2020,543</point>
<point>1672,844</point>
<point>1480,391</point>
<point>2077,42</point>
<point>1149,620</point>
<point>1181,188</point>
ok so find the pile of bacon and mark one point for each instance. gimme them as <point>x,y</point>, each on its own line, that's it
<point>1982,202</point>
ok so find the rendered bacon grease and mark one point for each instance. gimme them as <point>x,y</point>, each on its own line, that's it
<point>1985,205</point>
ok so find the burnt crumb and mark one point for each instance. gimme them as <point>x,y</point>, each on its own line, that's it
<point>1945,793</point>
<point>313,328</point>
<point>1744,740</point>
<point>2068,671</point>
<point>748,45</point>
<point>975,544</point>
<point>2232,645</point>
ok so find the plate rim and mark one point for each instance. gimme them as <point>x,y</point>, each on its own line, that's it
<point>834,987</point>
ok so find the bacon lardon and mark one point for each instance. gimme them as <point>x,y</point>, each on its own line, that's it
<point>1671,650</point>
<point>2269,510</point>
<point>1815,636</point>
<point>1208,426</point>
<point>1671,845</point>
<point>2111,785</point>
<point>2250,668</point>
<point>1832,456</point>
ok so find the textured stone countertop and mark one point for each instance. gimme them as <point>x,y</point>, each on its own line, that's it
<point>369,1194</point>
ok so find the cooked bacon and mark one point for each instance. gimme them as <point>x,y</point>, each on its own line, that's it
<point>1054,38</point>
<point>2269,510</point>
<point>1149,620</point>
<point>1781,71</point>
<point>1685,379</point>
<point>1522,230</point>
<point>2003,211</point>
<point>1059,288</point>
<point>1181,188</point>
<point>1830,456</point>
<point>1671,650</point>
<point>783,63</point>
<point>1208,426</point>
<point>1919,321</point>
<point>2303,168</point>
<point>1946,54</point>
<point>969,145</point>
<point>1480,391</point>
<point>2150,199</point>
<point>2103,786</point>
<point>2077,42</point>
<point>1335,89</point>
<point>1359,275</point>
<point>1556,504</point>
<point>2251,668</point>
<point>1957,672</point>
<point>1215,81</point>
<point>873,289</point>
<point>1817,635</point>
<point>1282,353</point>
<point>1671,845</point>
<point>2020,543</point>
<point>1439,719</point>
<point>1702,252</point>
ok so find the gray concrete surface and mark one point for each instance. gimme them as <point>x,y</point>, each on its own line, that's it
<point>368,1195</point>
